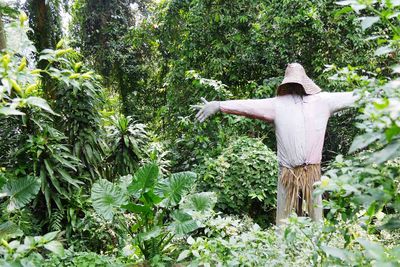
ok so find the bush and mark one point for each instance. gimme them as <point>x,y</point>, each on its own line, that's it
<point>243,176</point>
<point>300,243</point>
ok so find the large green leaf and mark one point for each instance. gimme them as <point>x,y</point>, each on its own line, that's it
<point>137,208</point>
<point>373,250</point>
<point>388,152</point>
<point>20,191</point>
<point>9,230</point>
<point>174,187</point>
<point>56,247</point>
<point>183,223</point>
<point>106,198</point>
<point>144,180</point>
<point>392,224</point>
<point>363,141</point>
<point>40,103</point>
<point>200,202</point>
<point>154,232</point>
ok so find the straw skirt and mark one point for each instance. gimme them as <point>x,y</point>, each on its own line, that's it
<point>295,187</point>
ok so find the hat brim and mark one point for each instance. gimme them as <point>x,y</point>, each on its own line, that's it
<point>310,88</point>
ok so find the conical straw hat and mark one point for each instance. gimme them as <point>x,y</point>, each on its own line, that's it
<point>295,73</point>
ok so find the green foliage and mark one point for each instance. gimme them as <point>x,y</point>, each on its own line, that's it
<point>362,193</point>
<point>30,251</point>
<point>76,95</point>
<point>83,259</point>
<point>299,242</point>
<point>42,153</point>
<point>176,186</point>
<point>113,57</point>
<point>20,191</point>
<point>17,84</point>
<point>153,203</point>
<point>128,140</point>
<point>92,233</point>
<point>53,163</point>
<point>9,230</point>
<point>365,185</point>
<point>243,176</point>
<point>106,197</point>
<point>62,133</point>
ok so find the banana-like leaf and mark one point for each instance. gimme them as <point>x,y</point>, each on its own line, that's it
<point>20,191</point>
<point>107,198</point>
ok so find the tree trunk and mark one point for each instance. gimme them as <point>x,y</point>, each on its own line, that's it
<point>37,21</point>
<point>3,42</point>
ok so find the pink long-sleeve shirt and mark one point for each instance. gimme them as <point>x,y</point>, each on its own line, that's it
<point>300,122</point>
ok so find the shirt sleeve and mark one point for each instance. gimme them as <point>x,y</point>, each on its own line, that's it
<point>340,101</point>
<point>262,109</point>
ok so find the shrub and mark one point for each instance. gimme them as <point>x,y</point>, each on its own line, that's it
<point>243,176</point>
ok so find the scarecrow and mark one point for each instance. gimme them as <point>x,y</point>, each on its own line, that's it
<point>299,113</point>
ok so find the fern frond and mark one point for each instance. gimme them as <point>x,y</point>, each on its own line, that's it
<point>56,219</point>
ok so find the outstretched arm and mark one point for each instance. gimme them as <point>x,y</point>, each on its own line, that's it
<point>263,109</point>
<point>340,101</point>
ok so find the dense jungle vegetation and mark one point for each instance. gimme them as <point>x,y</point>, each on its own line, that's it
<point>102,162</point>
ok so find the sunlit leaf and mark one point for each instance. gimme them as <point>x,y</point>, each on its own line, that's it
<point>40,103</point>
<point>363,141</point>
<point>367,22</point>
<point>390,151</point>
<point>56,247</point>
<point>383,50</point>
<point>144,179</point>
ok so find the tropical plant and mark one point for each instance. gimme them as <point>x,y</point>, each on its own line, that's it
<point>29,252</point>
<point>128,140</point>
<point>43,157</point>
<point>58,151</point>
<point>76,96</point>
<point>154,204</point>
<point>18,81</point>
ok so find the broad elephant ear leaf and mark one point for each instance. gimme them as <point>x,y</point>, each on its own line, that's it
<point>175,187</point>
<point>182,223</point>
<point>107,198</point>
<point>20,191</point>
<point>199,203</point>
<point>144,180</point>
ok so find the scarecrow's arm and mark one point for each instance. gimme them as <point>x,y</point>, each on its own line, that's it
<point>262,109</point>
<point>339,101</point>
